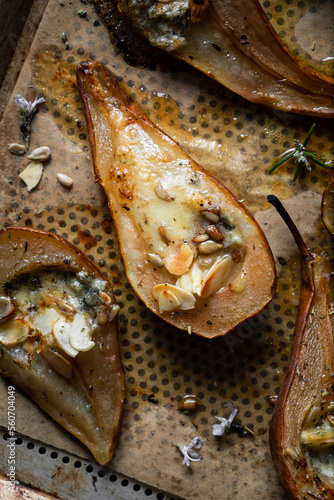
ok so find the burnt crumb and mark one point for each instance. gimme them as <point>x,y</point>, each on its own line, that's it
<point>151,399</point>
<point>241,430</point>
<point>216,47</point>
<point>282,261</point>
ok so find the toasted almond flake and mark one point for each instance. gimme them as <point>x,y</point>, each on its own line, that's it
<point>113,311</point>
<point>210,216</point>
<point>239,284</point>
<point>155,259</point>
<point>184,299</point>
<point>40,154</point>
<point>162,193</point>
<point>32,174</point>
<point>61,332</point>
<point>57,361</point>
<point>216,276</point>
<point>65,180</point>
<point>167,301</point>
<point>208,247</point>
<point>200,238</point>
<point>180,263</point>
<point>7,308</point>
<point>17,149</point>
<point>14,331</point>
<point>80,334</point>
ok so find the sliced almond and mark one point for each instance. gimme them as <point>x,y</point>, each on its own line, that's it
<point>181,299</point>
<point>80,334</point>
<point>216,276</point>
<point>61,332</point>
<point>32,174</point>
<point>57,361</point>
<point>167,301</point>
<point>7,308</point>
<point>180,263</point>
<point>14,331</point>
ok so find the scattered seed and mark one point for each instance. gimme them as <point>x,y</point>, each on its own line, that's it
<point>162,193</point>
<point>210,216</point>
<point>215,233</point>
<point>200,238</point>
<point>155,259</point>
<point>40,154</point>
<point>65,180</point>
<point>209,246</point>
<point>17,149</point>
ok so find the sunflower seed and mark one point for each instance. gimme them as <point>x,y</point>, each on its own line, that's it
<point>40,154</point>
<point>162,193</point>
<point>65,180</point>
<point>210,216</point>
<point>200,238</point>
<point>155,259</point>
<point>17,149</point>
<point>209,246</point>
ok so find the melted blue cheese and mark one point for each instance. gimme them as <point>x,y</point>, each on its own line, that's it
<point>62,309</point>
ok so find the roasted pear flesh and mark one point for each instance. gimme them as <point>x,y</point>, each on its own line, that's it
<point>58,335</point>
<point>302,427</point>
<point>191,251</point>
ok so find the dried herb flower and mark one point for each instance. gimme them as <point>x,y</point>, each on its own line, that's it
<point>225,423</point>
<point>189,452</point>
<point>27,112</point>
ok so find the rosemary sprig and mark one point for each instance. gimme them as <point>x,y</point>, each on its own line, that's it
<point>27,113</point>
<point>302,157</point>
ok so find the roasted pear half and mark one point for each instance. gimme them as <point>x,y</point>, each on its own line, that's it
<point>233,42</point>
<point>327,206</point>
<point>302,427</point>
<point>58,335</point>
<point>192,252</point>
